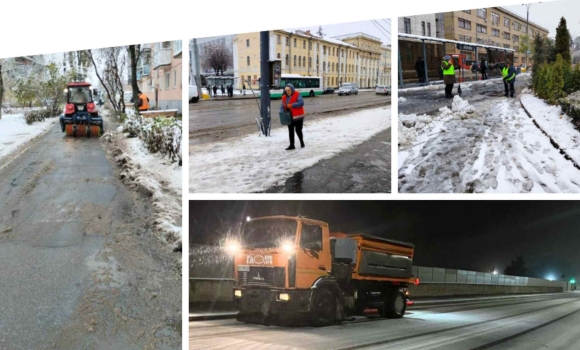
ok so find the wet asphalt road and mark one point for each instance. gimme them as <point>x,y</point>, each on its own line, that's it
<point>78,265</point>
<point>211,121</point>
<point>547,321</point>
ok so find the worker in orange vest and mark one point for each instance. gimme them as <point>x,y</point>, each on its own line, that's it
<point>143,102</point>
<point>292,101</point>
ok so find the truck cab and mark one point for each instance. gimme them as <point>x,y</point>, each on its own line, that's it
<point>289,267</point>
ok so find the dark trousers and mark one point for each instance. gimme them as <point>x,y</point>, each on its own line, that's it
<point>296,125</point>
<point>448,90</point>
<point>509,88</point>
<point>483,75</point>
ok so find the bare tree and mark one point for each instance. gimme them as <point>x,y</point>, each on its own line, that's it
<point>216,56</point>
<point>320,33</point>
<point>109,64</point>
<point>134,55</point>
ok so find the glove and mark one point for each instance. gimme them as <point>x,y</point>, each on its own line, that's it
<point>289,106</point>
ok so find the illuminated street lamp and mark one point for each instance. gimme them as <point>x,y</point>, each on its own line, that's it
<point>573,281</point>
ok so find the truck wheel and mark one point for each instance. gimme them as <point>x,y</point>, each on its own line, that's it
<point>323,309</point>
<point>394,305</point>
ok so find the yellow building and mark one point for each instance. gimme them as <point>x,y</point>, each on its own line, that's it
<point>349,58</point>
<point>159,74</point>
<point>494,26</point>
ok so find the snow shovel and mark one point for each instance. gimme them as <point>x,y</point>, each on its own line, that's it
<point>259,121</point>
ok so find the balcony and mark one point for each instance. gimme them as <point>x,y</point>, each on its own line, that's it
<point>162,58</point>
<point>177,48</point>
<point>143,71</point>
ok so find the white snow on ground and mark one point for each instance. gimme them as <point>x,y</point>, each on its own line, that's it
<point>556,124</point>
<point>252,163</point>
<point>495,148</point>
<point>402,100</point>
<point>14,131</point>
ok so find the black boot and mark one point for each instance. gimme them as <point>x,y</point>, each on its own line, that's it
<point>302,144</point>
<point>291,147</point>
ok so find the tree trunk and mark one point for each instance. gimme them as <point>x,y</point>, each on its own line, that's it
<point>134,56</point>
<point>1,90</point>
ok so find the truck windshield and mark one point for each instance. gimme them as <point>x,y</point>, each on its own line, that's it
<point>268,233</point>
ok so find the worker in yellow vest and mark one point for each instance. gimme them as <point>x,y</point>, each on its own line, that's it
<point>509,79</point>
<point>448,75</point>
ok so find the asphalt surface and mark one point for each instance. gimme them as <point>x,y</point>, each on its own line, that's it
<point>79,268</point>
<point>211,121</point>
<point>363,169</point>
<point>547,321</point>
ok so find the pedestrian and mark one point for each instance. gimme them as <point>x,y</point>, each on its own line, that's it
<point>244,87</point>
<point>483,69</point>
<point>448,75</point>
<point>223,90</point>
<point>292,101</point>
<point>142,102</point>
<point>209,90</point>
<point>420,68</point>
<point>509,79</point>
<point>215,91</point>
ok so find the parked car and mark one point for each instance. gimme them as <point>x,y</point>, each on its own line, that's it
<point>348,90</point>
<point>383,90</point>
<point>328,90</point>
<point>193,94</point>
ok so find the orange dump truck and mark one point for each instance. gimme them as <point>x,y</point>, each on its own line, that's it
<point>288,267</point>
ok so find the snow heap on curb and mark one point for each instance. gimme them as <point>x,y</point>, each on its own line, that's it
<point>556,124</point>
<point>166,220</point>
<point>252,163</point>
<point>402,100</point>
<point>14,131</point>
<point>414,127</point>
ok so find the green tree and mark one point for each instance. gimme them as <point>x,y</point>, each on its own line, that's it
<point>25,92</point>
<point>563,40</point>
<point>525,44</point>
<point>557,80</point>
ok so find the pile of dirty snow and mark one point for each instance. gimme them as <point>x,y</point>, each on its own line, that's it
<point>402,100</point>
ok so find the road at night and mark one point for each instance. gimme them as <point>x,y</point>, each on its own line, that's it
<point>546,321</point>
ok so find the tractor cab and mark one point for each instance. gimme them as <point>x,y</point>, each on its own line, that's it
<point>80,116</point>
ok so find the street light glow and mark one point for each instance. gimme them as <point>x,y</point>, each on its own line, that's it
<point>248,219</point>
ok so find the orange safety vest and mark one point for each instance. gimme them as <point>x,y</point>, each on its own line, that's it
<point>144,102</point>
<point>297,113</point>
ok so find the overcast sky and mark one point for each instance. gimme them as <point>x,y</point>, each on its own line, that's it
<point>472,235</point>
<point>380,28</point>
<point>548,14</point>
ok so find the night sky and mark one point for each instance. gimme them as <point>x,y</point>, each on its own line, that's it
<point>472,235</point>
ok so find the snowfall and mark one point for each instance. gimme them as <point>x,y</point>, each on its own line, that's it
<point>254,163</point>
<point>492,146</point>
<point>14,132</point>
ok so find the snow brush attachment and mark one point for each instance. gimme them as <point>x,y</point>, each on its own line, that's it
<point>82,130</point>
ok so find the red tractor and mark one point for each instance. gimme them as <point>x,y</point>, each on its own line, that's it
<point>80,117</point>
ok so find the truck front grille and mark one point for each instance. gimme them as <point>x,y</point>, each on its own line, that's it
<point>263,276</point>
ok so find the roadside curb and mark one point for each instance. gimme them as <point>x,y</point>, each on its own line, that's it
<point>208,317</point>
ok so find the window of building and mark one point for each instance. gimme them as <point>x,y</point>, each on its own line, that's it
<point>465,24</point>
<point>299,61</point>
<point>469,56</point>
<point>517,26</point>
<point>248,61</point>
<point>481,29</point>
<point>516,59</point>
<point>495,32</point>
<point>407,22</point>
<point>494,18</point>
<point>174,78</point>
<point>304,61</point>
<point>166,80</point>
<point>310,45</point>
<point>287,41</point>
<point>295,42</point>
<point>506,46</point>
<point>482,13</point>
<point>324,49</point>
<point>428,28</point>
<point>247,42</point>
<point>516,48</point>
<point>506,35</point>
<point>506,22</point>
<point>286,60</point>
<point>309,62</point>
<point>465,38</point>
<point>278,56</point>
<point>516,38</point>
<point>303,44</point>
<point>278,39</point>
<point>294,60</point>
<point>423,28</point>
<point>467,11</point>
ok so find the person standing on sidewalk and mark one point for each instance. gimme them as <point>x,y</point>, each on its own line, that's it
<point>483,69</point>
<point>509,79</point>
<point>292,101</point>
<point>448,75</point>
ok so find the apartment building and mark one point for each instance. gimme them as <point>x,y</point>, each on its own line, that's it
<point>354,57</point>
<point>494,26</point>
<point>423,25</point>
<point>159,74</point>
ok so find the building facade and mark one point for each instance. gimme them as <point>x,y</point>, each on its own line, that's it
<point>159,74</point>
<point>494,26</point>
<point>423,25</point>
<point>349,58</point>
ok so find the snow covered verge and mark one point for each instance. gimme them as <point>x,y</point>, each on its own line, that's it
<point>14,131</point>
<point>466,85</point>
<point>252,163</point>
<point>492,146</point>
<point>556,124</point>
<point>155,176</point>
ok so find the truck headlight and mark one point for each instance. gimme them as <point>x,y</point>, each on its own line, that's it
<point>238,293</point>
<point>232,246</point>
<point>284,297</point>
<point>287,246</point>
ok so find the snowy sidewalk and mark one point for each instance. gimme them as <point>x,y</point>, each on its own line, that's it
<point>252,163</point>
<point>492,146</point>
<point>14,131</point>
<point>556,124</point>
